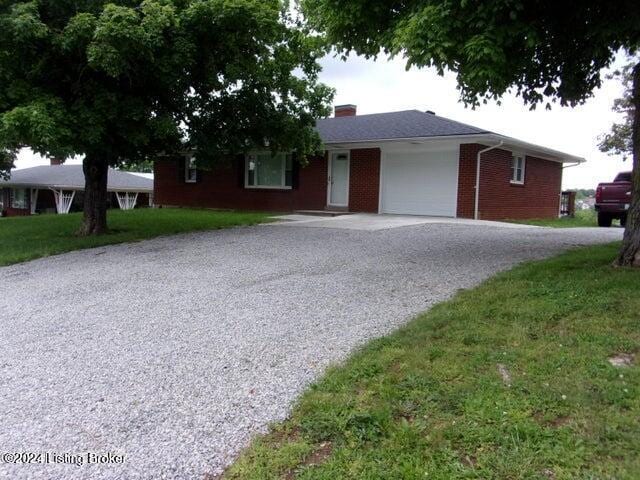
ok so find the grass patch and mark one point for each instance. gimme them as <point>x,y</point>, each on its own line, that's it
<point>26,238</point>
<point>582,218</point>
<point>509,380</point>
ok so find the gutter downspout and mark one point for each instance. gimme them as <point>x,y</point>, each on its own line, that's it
<point>560,196</point>
<point>477,199</point>
<point>572,165</point>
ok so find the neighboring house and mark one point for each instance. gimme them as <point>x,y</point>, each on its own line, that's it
<point>408,162</point>
<point>59,188</point>
<point>589,203</point>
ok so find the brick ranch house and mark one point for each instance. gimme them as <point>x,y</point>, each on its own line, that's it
<point>58,188</point>
<point>409,162</point>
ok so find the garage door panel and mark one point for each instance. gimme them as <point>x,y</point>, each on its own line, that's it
<point>420,183</point>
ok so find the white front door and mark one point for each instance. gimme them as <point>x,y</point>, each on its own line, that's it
<point>339,179</point>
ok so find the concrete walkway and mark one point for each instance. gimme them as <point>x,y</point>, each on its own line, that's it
<point>375,222</point>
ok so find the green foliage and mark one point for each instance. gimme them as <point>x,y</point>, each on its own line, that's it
<point>145,166</point>
<point>541,50</point>
<point>619,141</point>
<point>26,238</point>
<point>430,401</point>
<point>126,80</point>
<point>582,218</point>
<point>7,159</point>
<point>582,193</point>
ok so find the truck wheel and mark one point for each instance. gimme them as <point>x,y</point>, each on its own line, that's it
<point>604,220</point>
<point>623,221</point>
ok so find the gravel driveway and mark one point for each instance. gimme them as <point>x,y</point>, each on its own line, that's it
<point>175,351</point>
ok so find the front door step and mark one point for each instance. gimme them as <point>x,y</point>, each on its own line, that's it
<point>334,212</point>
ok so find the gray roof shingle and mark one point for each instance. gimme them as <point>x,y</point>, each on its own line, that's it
<point>392,125</point>
<point>72,177</point>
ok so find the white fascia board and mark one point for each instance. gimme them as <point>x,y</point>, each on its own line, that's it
<point>537,150</point>
<point>413,140</point>
<point>76,188</point>
<point>130,190</point>
<point>39,186</point>
<point>453,140</point>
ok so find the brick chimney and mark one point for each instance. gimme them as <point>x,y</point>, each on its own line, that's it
<point>56,161</point>
<point>345,111</point>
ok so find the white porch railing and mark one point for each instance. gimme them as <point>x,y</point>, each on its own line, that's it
<point>34,200</point>
<point>64,199</point>
<point>127,200</point>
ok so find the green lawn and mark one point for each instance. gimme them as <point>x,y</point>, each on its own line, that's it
<point>583,218</point>
<point>26,238</point>
<point>433,401</point>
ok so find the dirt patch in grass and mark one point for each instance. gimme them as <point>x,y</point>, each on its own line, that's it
<point>622,360</point>
<point>548,473</point>
<point>317,457</point>
<point>277,438</point>
<point>504,373</point>
<point>558,422</point>
<point>469,461</point>
<point>554,422</point>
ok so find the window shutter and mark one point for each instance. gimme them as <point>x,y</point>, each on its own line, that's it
<point>181,166</point>
<point>295,172</point>
<point>240,165</point>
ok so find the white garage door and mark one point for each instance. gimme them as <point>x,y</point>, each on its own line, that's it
<point>420,183</point>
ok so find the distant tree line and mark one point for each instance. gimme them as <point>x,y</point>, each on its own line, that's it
<point>582,193</point>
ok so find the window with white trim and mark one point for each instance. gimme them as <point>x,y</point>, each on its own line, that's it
<point>190,171</point>
<point>267,170</point>
<point>517,169</point>
<point>19,198</point>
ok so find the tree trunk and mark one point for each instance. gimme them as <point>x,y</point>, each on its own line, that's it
<point>630,253</point>
<point>96,171</point>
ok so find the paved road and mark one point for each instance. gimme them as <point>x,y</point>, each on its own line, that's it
<point>175,351</point>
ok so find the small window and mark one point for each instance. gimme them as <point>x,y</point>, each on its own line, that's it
<point>265,170</point>
<point>19,198</point>
<point>517,169</point>
<point>190,171</point>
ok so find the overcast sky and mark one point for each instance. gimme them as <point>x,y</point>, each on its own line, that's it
<point>385,86</point>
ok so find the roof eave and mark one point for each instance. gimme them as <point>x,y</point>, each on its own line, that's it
<point>539,151</point>
<point>543,152</point>
<point>406,139</point>
<point>41,186</point>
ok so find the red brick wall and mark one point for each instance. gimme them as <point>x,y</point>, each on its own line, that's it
<point>143,200</point>
<point>345,111</point>
<point>539,197</point>
<point>16,212</point>
<point>467,179</point>
<point>46,200</point>
<point>7,209</point>
<point>364,180</point>
<point>499,199</point>
<point>223,187</point>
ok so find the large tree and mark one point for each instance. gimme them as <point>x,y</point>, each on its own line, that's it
<point>123,81</point>
<point>544,51</point>
<point>618,141</point>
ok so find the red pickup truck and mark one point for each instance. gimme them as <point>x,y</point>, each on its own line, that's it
<point>613,199</point>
